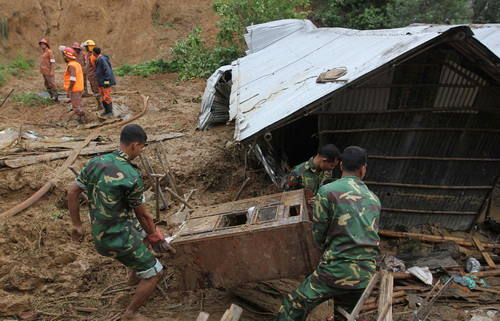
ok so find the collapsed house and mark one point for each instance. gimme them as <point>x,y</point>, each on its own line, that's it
<point>422,100</point>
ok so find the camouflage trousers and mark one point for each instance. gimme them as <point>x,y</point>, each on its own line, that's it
<point>77,102</point>
<point>318,287</point>
<point>94,84</point>
<point>128,247</point>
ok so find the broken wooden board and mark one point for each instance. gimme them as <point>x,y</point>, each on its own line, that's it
<point>93,149</point>
<point>29,160</point>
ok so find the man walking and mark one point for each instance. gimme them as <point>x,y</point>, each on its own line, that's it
<point>47,69</point>
<point>314,173</point>
<point>106,79</point>
<point>345,224</point>
<point>115,191</point>
<point>73,83</point>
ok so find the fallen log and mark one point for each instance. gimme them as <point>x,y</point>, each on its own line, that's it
<point>434,238</point>
<point>69,161</point>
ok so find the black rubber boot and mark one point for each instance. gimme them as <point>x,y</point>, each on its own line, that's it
<point>54,94</point>
<point>105,112</point>
<point>110,110</point>
<point>81,119</point>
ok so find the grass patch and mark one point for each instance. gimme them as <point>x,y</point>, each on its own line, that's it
<point>156,21</point>
<point>146,69</point>
<point>16,68</point>
<point>30,99</point>
<point>59,214</point>
<point>192,59</point>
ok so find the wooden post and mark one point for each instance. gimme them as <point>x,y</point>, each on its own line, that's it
<point>151,172</point>
<point>157,178</point>
<point>175,187</point>
<point>364,297</point>
<point>385,295</point>
<point>180,199</point>
<point>168,172</point>
<point>232,314</point>
<point>203,316</point>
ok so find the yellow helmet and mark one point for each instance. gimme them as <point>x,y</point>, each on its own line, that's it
<point>89,43</point>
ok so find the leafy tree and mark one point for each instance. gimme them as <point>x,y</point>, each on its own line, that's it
<point>486,11</point>
<point>235,15</point>
<point>356,14</point>
<point>405,12</point>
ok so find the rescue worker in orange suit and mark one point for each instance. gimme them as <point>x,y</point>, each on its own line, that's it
<point>106,79</point>
<point>90,62</point>
<point>47,69</point>
<point>73,83</point>
<point>80,58</point>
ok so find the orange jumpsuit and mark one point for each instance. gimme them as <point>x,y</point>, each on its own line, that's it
<point>47,69</point>
<point>74,73</point>
<point>91,71</point>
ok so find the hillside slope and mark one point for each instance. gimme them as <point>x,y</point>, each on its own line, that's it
<point>128,30</point>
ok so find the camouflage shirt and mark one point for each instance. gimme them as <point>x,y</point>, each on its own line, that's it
<point>345,222</point>
<point>114,188</point>
<point>306,176</point>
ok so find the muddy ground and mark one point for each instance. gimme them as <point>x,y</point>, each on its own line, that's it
<point>45,274</point>
<point>42,270</point>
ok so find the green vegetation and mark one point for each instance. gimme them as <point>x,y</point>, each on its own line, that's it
<point>59,214</point>
<point>236,15</point>
<point>30,99</point>
<point>4,28</point>
<point>15,68</point>
<point>158,24</point>
<point>192,58</point>
<point>146,69</point>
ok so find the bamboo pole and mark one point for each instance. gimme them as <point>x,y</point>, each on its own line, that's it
<point>433,238</point>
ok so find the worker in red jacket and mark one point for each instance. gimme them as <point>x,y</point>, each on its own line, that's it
<point>47,69</point>
<point>73,83</point>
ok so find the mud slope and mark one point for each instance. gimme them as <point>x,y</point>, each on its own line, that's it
<point>128,30</point>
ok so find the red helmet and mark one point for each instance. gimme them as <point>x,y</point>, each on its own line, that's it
<point>69,52</point>
<point>76,46</point>
<point>44,41</point>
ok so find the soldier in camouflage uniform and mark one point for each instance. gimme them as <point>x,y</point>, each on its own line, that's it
<point>311,175</point>
<point>115,192</point>
<point>345,225</point>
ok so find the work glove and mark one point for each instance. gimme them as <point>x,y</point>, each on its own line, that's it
<point>159,244</point>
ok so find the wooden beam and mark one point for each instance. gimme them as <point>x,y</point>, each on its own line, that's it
<point>385,296</point>
<point>364,297</point>
<point>232,314</point>
<point>485,254</point>
<point>203,316</point>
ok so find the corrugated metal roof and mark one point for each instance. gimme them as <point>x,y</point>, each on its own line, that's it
<point>278,78</point>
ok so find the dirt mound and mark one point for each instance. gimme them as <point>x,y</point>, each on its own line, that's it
<point>128,31</point>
